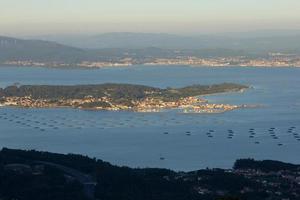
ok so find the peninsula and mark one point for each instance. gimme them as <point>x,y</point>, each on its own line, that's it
<point>116,97</point>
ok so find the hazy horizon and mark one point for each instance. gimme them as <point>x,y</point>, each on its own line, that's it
<point>40,17</point>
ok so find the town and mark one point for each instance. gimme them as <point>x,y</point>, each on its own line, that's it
<point>272,60</point>
<point>187,105</point>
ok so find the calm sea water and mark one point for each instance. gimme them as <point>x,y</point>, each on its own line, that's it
<point>194,141</point>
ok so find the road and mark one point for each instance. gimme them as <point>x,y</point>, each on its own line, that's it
<point>86,180</point>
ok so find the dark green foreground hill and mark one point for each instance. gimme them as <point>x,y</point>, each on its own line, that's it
<point>32,175</point>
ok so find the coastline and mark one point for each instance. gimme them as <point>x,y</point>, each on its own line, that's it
<point>74,67</point>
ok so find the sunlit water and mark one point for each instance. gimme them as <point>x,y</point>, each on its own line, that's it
<point>167,139</point>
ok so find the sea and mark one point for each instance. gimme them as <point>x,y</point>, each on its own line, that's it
<point>178,141</point>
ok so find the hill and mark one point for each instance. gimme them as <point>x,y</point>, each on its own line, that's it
<point>33,175</point>
<point>110,96</point>
<point>13,49</point>
<point>37,50</point>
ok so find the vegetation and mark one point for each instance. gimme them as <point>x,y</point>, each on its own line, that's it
<point>265,165</point>
<point>18,182</point>
<point>114,183</point>
<point>116,92</point>
<point>197,90</point>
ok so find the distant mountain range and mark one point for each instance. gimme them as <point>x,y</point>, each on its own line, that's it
<point>12,49</point>
<point>141,47</point>
<point>253,42</point>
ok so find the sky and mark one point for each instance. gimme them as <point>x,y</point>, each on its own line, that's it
<point>37,17</point>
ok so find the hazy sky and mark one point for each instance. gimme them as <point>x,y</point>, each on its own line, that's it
<point>174,16</point>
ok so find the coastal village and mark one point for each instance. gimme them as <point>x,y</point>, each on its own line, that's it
<point>275,60</point>
<point>281,184</point>
<point>186,105</point>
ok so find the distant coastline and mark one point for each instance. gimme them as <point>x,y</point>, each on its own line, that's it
<point>40,53</point>
<point>186,63</point>
<point>144,65</point>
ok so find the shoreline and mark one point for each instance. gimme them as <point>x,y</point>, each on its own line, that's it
<point>137,110</point>
<point>201,108</point>
<point>146,65</point>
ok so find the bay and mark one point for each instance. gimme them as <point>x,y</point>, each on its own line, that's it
<point>168,139</point>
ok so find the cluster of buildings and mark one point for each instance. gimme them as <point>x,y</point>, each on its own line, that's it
<point>83,103</point>
<point>210,108</point>
<point>276,183</point>
<point>32,63</point>
<point>25,102</point>
<point>274,61</point>
<point>157,104</point>
<point>188,104</point>
<point>283,184</point>
<point>100,64</point>
<point>190,61</point>
<point>271,60</point>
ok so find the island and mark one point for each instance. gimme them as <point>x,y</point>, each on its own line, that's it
<point>114,97</point>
